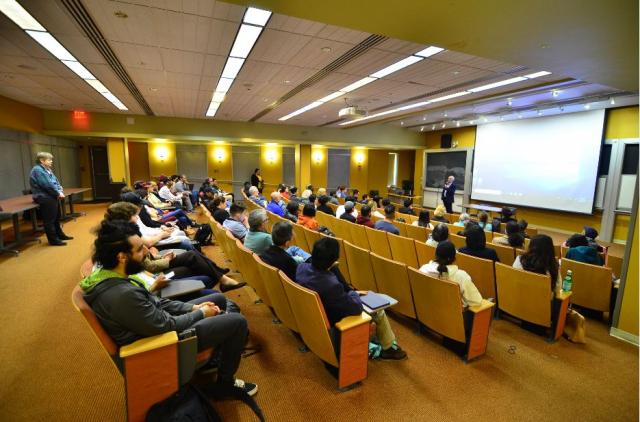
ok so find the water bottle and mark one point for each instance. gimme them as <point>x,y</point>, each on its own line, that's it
<point>567,283</point>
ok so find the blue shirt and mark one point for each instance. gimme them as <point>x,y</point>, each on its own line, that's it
<point>275,208</point>
<point>386,226</point>
<point>44,183</point>
<point>236,228</point>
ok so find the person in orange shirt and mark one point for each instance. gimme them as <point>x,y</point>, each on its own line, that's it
<point>308,217</point>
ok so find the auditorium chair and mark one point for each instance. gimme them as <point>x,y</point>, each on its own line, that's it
<point>250,273</point>
<point>458,241</point>
<point>334,207</point>
<point>359,262</point>
<point>401,228</point>
<point>392,280</point>
<point>322,218</point>
<point>403,250</point>
<point>153,368</point>
<point>424,253</point>
<point>277,295</point>
<point>341,229</point>
<point>378,242</point>
<point>506,254</point>
<point>615,263</point>
<point>312,237</point>
<point>592,284</point>
<point>299,238</point>
<point>418,233</point>
<point>359,236</point>
<point>438,305</point>
<point>528,297</point>
<point>345,347</point>
<point>481,272</point>
<point>452,217</point>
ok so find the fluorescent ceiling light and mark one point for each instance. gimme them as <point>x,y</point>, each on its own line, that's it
<point>224,84</point>
<point>450,96</point>
<point>410,106</point>
<point>218,97</point>
<point>301,110</point>
<point>497,84</point>
<point>46,40</point>
<point>232,68</point>
<point>408,61</point>
<point>429,51</point>
<point>97,85</point>
<point>245,40</point>
<point>19,16</point>
<point>537,74</point>
<point>331,96</point>
<point>78,69</point>
<point>358,84</point>
<point>114,100</point>
<point>213,108</point>
<point>256,16</point>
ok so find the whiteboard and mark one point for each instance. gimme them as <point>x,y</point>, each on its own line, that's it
<point>627,191</point>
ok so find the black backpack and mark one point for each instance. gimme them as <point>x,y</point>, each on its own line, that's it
<point>188,404</point>
<point>204,235</point>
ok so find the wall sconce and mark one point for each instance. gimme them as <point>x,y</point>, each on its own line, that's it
<point>270,155</point>
<point>162,153</point>
<point>359,159</point>
<point>219,154</point>
<point>317,157</point>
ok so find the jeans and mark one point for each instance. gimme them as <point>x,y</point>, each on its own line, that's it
<point>295,251</point>
<point>227,332</point>
<point>182,244</point>
<point>179,215</point>
<point>194,263</point>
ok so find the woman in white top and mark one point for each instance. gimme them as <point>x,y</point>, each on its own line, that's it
<point>442,267</point>
<point>165,193</point>
<point>439,234</point>
<point>423,220</point>
<point>540,258</point>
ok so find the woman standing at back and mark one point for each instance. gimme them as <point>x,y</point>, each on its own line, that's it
<point>540,258</point>
<point>257,180</point>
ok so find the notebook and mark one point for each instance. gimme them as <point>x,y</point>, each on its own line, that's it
<point>374,301</point>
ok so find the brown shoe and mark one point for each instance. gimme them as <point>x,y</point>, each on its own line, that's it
<point>393,353</point>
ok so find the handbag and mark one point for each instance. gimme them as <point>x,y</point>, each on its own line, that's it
<point>575,327</point>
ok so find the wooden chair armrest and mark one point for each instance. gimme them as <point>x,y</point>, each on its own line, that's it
<point>562,295</point>
<point>481,307</point>
<point>149,343</point>
<point>350,322</point>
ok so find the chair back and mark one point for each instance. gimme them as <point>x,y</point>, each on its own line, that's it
<point>438,304</point>
<point>615,263</point>
<point>424,253</point>
<point>312,237</point>
<point>481,272</point>
<point>458,241</point>
<point>323,219</point>
<point>342,260</point>
<point>403,250</point>
<point>378,242</point>
<point>311,320</point>
<point>531,231</point>
<point>418,233</point>
<point>249,268</point>
<point>506,254</point>
<point>402,228</point>
<point>392,279</point>
<point>341,228</point>
<point>452,217</point>
<point>359,236</point>
<point>359,261</point>
<point>277,295</point>
<point>299,238</point>
<point>591,284</point>
<point>524,294</point>
<point>77,298</point>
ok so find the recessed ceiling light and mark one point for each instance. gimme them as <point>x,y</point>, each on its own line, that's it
<point>544,46</point>
<point>19,15</point>
<point>501,118</point>
<point>326,49</point>
<point>401,123</point>
<point>539,113</point>
<point>152,89</point>
<point>485,120</point>
<point>433,127</point>
<point>445,114</point>
<point>471,122</point>
<point>429,51</point>
<point>443,125</point>
<point>120,14</point>
<point>612,101</point>
<point>456,72</point>
<point>587,106</point>
<point>286,81</point>
<point>457,124</point>
<point>519,115</point>
<point>498,84</point>
<point>421,128</point>
<point>509,101</point>
<point>424,118</point>
<point>256,16</point>
<point>245,39</point>
<point>408,61</point>
<point>555,93</point>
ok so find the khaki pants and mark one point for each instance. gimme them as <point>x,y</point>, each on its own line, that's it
<point>383,329</point>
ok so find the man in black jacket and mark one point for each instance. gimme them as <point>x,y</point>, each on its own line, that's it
<point>129,312</point>
<point>448,193</point>
<point>276,255</point>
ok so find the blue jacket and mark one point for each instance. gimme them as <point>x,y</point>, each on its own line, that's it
<point>44,184</point>
<point>585,254</point>
<point>275,208</point>
<point>339,300</point>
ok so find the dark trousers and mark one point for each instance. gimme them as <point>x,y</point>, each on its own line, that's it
<point>194,263</point>
<point>50,210</point>
<point>227,331</point>
<point>448,206</point>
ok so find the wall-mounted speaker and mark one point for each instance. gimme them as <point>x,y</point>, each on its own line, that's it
<point>445,140</point>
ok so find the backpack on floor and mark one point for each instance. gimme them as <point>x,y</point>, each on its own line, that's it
<point>188,404</point>
<point>204,235</point>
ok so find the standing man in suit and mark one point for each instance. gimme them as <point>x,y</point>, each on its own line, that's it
<point>448,192</point>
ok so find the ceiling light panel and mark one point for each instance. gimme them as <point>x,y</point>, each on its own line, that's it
<point>358,84</point>
<point>429,51</point>
<point>253,24</point>
<point>498,84</point>
<point>14,11</point>
<point>408,61</point>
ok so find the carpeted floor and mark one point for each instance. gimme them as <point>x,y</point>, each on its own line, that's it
<point>51,366</point>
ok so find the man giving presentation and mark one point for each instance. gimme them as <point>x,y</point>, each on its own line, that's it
<point>448,191</point>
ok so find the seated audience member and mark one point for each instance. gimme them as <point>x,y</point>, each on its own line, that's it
<point>355,193</point>
<point>333,199</point>
<point>283,191</point>
<point>477,244</point>
<point>258,239</point>
<point>181,188</point>
<point>439,214</point>
<point>443,267</point>
<point>378,210</point>
<point>591,235</point>
<point>514,236</point>
<point>338,299</point>
<point>274,205</point>
<point>580,250</point>
<point>129,312</point>
<point>304,198</point>
<point>340,209</point>
<point>312,199</point>
<point>166,194</point>
<point>464,219</point>
<point>309,188</point>
<point>154,197</point>
<point>254,195</point>
<point>159,215</point>
<point>423,220</point>
<point>291,212</point>
<point>483,217</point>
<point>365,217</point>
<point>348,212</point>
<point>236,223</point>
<point>439,234</point>
<point>507,215</point>
<point>293,193</point>
<point>523,224</point>
<point>365,199</point>
<point>308,218</point>
<point>496,225</point>
<point>280,253</point>
<point>245,188</point>
<point>321,192</point>
<point>341,192</point>
<point>407,207</point>
<point>218,208</point>
<point>208,195</point>
<point>540,258</point>
<point>387,223</point>
<point>323,207</point>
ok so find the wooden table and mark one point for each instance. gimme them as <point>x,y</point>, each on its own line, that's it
<point>13,207</point>
<point>486,208</point>
<point>401,198</point>
<point>69,192</point>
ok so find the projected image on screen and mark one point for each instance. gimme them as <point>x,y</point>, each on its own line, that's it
<point>548,162</point>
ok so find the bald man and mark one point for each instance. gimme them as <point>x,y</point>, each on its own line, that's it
<point>448,192</point>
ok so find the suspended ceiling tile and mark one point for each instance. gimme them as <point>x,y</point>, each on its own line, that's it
<point>335,33</point>
<point>182,61</point>
<point>137,55</point>
<point>295,25</point>
<point>278,47</point>
<point>213,65</point>
<point>221,36</point>
<point>312,55</point>
<point>229,12</point>
<point>371,62</point>
<point>404,48</point>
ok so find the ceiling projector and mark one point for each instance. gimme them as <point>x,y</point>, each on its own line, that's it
<point>351,113</point>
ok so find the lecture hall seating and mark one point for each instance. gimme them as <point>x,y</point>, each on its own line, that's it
<point>592,284</point>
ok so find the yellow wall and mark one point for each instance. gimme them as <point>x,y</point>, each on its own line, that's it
<point>621,228</point>
<point>406,162</point>
<point>158,166</point>
<point>318,166</point>
<point>417,174</point>
<point>628,320</point>
<point>464,136</point>
<point>138,161</point>
<point>359,172</point>
<point>220,165</point>
<point>622,123</point>
<point>304,163</point>
<point>378,166</point>
<point>271,166</point>
<point>117,167</point>
<point>20,116</point>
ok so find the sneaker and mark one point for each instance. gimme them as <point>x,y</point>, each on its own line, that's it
<point>394,352</point>
<point>249,388</point>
